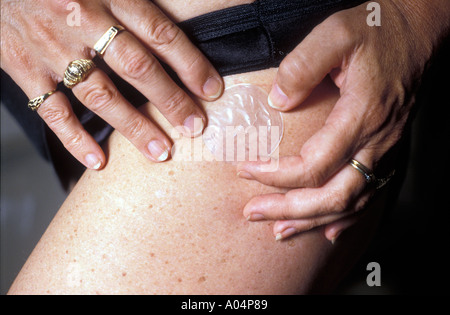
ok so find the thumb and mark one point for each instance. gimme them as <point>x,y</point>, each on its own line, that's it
<point>327,47</point>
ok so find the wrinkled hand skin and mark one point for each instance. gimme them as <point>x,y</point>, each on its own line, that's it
<point>39,40</point>
<point>378,70</point>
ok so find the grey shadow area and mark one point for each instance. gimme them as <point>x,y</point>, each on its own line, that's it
<point>30,197</point>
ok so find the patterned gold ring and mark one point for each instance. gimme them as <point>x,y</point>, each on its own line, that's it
<point>77,72</point>
<point>35,103</point>
<point>107,38</point>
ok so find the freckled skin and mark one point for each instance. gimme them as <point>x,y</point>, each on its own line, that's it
<point>178,228</point>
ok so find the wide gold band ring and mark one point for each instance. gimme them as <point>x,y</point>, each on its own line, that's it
<point>369,176</point>
<point>107,38</point>
<point>35,103</point>
<point>77,71</point>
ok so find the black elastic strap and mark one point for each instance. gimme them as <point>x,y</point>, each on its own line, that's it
<point>259,35</point>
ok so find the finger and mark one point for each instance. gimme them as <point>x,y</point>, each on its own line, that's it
<point>286,229</point>
<point>334,225</point>
<point>325,48</point>
<point>99,94</point>
<point>322,155</point>
<point>129,59</point>
<point>172,46</point>
<point>336,197</point>
<point>334,229</point>
<point>57,113</point>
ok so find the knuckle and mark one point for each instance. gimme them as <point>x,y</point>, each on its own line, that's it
<point>338,201</point>
<point>295,178</point>
<point>291,209</point>
<point>43,30</point>
<point>314,178</point>
<point>296,68</point>
<point>342,27</point>
<point>311,224</point>
<point>100,96</point>
<point>174,104</point>
<point>162,32</point>
<point>136,127</point>
<point>74,142</point>
<point>194,62</point>
<point>307,225</point>
<point>82,8</point>
<point>289,68</point>
<point>15,55</point>
<point>137,65</point>
<point>285,213</point>
<point>56,116</point>
<point>60,5</point>
<point>315,165</point>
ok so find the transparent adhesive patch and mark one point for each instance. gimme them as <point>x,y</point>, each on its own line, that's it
<point>242,126</point>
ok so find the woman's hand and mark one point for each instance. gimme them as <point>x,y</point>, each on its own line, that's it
<point>38,44</point>
<point>377,70</point>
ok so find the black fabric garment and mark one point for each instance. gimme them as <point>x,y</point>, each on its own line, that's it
<point>240,39</point>
<point>259,35</point>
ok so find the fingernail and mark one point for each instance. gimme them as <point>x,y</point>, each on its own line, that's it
<point>93,161</point>
<point>255,217</point>
<point>277,98</point>
<point>333,240</point>
<point>195,125</point>
<point>158,150</point>
<point>243,174</point>
<point>213,87</point>
<point>285,234</point>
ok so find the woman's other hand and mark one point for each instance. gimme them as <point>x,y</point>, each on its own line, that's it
<point>377,69</point>
<point>38,43</point>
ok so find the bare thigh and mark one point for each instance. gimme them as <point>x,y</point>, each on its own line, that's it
<point>177,227</point>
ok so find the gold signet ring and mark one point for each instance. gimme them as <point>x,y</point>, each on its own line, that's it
<point>107,38</point>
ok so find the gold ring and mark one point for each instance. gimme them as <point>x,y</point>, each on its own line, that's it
<point>369,176</point>
<point>107,38</point>
<point>35,103</point>
<point>77,71</point>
